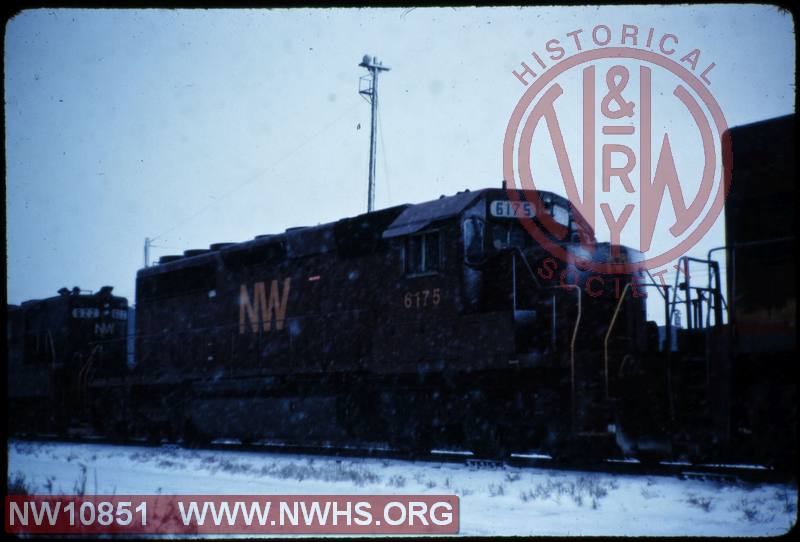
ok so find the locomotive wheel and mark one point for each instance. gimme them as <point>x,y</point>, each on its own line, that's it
<point>193,436</point>
<point>356,416</point>
<point>416,440</point>
<point>483,435</point>
<point>567,452</point>
<point>486,441</point>
<point>782,461</point>
<point>573,450</point>
<point>121,431</point>
<point>650,458</point>
<point>158,432</point>
<point>153,438</point>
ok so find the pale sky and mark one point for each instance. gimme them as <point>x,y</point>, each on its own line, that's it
<point>203,126</point>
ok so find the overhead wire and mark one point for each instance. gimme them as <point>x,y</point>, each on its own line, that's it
<point>258,174</point>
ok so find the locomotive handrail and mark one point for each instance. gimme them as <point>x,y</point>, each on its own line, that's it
<point>528,266</point>
<point>694,317</point>
<point>83,376</point>
<point>608,332</point>
<point>52,348</point>
<point>572,348</point>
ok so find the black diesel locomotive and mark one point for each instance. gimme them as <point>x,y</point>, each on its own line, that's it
<point>56,346</point>
<point>444,324</point>
<point>434,324</point>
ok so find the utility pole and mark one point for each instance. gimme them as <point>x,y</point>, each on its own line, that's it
<point>146,251</point>
<point>368,86</point>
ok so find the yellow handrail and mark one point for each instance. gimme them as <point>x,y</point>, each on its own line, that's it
<point>572,347</point>
<point>608,333</point>
<point>83,375</point>
<point>52,348</point>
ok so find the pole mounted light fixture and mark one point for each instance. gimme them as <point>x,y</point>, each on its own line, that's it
<point>368,87</point>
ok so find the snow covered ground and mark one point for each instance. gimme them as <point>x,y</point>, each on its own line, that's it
<point>500,501</point>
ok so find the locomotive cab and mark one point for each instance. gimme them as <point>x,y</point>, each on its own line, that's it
<point>547,335</point>
<point>507,269</point>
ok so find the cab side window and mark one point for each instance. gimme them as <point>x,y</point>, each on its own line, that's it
<point>423,253</point>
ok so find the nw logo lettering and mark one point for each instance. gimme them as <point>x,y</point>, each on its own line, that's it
<point>262,309</point>
<point>103,329</point>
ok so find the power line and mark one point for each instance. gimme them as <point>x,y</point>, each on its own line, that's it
<point>255,176</point>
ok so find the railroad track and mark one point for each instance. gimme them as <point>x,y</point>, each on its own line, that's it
<point>721,473</point>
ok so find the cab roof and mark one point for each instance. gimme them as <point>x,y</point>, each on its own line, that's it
<point>419,216</point>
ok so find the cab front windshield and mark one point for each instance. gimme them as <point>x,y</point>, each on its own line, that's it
<point>509,233</point>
